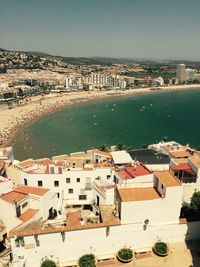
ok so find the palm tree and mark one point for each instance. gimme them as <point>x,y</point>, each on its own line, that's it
<point>103,147</point>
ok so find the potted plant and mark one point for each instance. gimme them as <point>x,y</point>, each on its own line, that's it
<point>87,260</point>
<point>125,255</point>
<point>48,263</point>
<point>161,249</point>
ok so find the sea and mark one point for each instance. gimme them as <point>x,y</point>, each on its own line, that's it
<point>134,121</point>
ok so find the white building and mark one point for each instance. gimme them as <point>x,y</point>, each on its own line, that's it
<point>190,75</point>
<point>26,204</point>
<point>72,184</point>
<point>181,73</point>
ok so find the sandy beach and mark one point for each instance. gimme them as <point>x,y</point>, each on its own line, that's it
<point>11,120</point>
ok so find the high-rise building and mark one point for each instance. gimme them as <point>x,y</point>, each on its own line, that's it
<point>190,75</point>
<point>181,73</point>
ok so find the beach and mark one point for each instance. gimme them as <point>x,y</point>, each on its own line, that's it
<point>13,119</point>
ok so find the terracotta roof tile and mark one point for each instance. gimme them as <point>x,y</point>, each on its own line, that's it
<point>13,196</point>
<point>26,163</point>
<point>31,190</point>
<point>130,172</point>
<point>28,215</point>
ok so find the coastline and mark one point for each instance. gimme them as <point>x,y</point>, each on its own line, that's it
<point>13,120</point>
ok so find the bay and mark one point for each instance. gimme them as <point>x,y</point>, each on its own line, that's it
<point>133,120</point>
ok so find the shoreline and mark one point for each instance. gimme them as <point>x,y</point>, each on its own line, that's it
<point>14,119</point>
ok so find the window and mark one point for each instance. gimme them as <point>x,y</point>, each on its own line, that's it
<point>60,170</point>
<point>58,195</point>
<point>24,205</point>
<point>52,170</point>
<point>70,191</point>
<point>56,183</point>
<point>39,183</point>
<point>82,197</point>
<point>108,176</point>
<point>25,181</point>
<point>78,180</point>
<point>162,187</point>
<point>68,180</point>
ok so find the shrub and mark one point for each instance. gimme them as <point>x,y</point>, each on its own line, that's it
<point>87,260</point>
<point>48,263</point>
<point>125,254</point>
<point>161,248</point>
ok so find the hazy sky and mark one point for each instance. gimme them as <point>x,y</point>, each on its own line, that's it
<point>114,28</point>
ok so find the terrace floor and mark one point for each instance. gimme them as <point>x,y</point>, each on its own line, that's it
<point>181,255</point>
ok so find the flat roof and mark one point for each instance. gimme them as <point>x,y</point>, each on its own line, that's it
<point>167,178</point>
<point>148,156</point>
<point>195,160</point>
<point>179,154</point>
<point>121,157</point>
<point>138,194</point>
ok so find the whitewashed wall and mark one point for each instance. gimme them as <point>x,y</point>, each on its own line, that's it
<point>95,241</point>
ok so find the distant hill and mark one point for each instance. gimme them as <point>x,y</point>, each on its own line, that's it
<point>104,60</point>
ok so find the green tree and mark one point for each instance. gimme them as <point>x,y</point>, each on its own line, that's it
<point>48,263</point>
<point>195,203</point>
<point>103,147</point>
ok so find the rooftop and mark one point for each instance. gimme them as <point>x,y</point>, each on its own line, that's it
<point>130,172</point>
<point>121,157</point>
<point>31,190</point>
<point>195,160</point>
<point>13,196</point>
<point>28,214</point>
<point>148,156</point>
<point>167,178</point>
<point>179,154</point>
<point>181,167</point>
<point>138,194</point>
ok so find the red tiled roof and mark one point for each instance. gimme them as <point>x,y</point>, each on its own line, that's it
<point>113,222</point>
<point>14,196</point>
<point>31,190</point>
<point>130,172</point>
<point>28,214</point>
<point>26,163</point>
<point>181,167</point>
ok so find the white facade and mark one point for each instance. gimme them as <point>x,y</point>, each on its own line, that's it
<point>98,242</point>
<point>181,73</point>
<point>74,186</point>
<point>5,185</point>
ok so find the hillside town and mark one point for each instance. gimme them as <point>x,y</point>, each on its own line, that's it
<point>128,199</point>
<point>23,74</point>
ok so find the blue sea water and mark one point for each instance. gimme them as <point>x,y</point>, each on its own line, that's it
<point>132,120</point>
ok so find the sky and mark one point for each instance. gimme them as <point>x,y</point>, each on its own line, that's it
<point>154,29</point>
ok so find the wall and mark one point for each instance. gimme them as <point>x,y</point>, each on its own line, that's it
<point>78,243</point>
<point>5,186</point>
<point>139,181</point>
<point>8,215</point>
<point>62,189</point>
<point>160,210</point>
<point>188,191</point>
